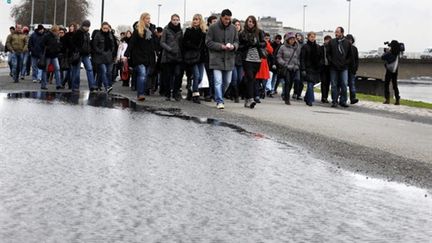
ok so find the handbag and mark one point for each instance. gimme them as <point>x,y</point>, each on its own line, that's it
<point>124,75</point>
<point>41,64</point>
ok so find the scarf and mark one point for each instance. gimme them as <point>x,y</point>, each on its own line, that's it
<point>174,28</point>
<point>107,40</point>
<point>148,34</point>
<point>340,45</point>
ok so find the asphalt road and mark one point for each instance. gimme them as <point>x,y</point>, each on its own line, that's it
<point>375,142</point>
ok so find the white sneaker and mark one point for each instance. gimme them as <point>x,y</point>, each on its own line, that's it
<point>35,81</point>
<point>220,106</point>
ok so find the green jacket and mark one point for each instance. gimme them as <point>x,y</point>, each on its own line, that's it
<point>17,43</point>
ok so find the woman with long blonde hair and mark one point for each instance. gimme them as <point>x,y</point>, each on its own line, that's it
<point>141,52</point>
<point>194,48</point>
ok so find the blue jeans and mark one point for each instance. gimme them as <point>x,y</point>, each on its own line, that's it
<point>237,75</point>
<point>141,79</point>
<point>17,64</point>
<point>36,72</point>
<point>339,83</point>
<point>351,85</point>
<point>25,57</point>
<point>222,80</point>
<point>104,72</point>
<point>75,72</point>
<point>198,72</point>
<point>310,95</point>
<point>55,62</point>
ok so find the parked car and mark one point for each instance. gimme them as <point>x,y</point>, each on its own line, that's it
<point>372,54</point>
<point>427,53</point>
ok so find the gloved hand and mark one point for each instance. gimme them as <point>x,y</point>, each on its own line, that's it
<point>304,74</point>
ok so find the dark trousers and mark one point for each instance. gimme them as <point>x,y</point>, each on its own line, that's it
<point>325,82</point>
<point>290,78</point>
<point>389,76</point>
<point>172,80</point>
<point>250,71</point>
<point>298,86</point>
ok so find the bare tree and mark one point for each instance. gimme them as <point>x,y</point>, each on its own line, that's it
<point>77,11</point>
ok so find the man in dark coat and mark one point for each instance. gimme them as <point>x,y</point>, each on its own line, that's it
<point>339,55</point>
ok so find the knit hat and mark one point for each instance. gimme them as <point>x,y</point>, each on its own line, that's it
<point>290,35</point>
<point>350,37</point>
<point>25,30</point>
<point>85,23</point>
<point>40,27</point>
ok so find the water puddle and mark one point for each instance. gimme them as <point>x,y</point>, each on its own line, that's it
<point>81,173</point>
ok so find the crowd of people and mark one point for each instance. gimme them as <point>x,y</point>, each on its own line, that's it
<point>237,62</point>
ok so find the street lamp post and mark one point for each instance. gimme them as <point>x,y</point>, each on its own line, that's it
<point>159,6</point>
<point>32,14</point>
<point>349,16</point>
<point>55,12</point>
<point>102,11</point>
<point>65,12</point>
<point>184,16</point>
<point>304,17</point>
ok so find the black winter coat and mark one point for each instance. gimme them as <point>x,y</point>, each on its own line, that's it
<point>355,60</point>
<point>339,54</point>
<point>194,41</point>
<point>102,52</point>
<point>310,58</point>
<point>51,44</point>
<point>81,42</point>
<point>141,51</point>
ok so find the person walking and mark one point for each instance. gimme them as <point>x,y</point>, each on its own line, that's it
<point>103,53</point>
<point>310,66</point>
<point>81,54</point>
<point>141,51</point>
<point>222,41</point>
<point>263,75</point>
<point>52,47</point>
<point>339,54</point>
<point>172,57</point>
<point>288,58</point>
<point>352,70</point>
<point>194,43</point>
<point>325,70</point>
<point>36,51</point>
<point>17,45</point>
<point>391,58</point>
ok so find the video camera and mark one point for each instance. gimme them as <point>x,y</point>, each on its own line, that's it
<point>393,43</point>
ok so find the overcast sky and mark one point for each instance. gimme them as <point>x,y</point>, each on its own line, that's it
<point>372,21</point>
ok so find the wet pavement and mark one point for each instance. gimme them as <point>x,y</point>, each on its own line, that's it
<point>92,168</point>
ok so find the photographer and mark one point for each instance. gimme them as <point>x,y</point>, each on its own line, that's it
<point>391,58</point>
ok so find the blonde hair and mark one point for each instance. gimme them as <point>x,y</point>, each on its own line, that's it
<point>202,24</point>
<point>311,33</point>
<point>142,25</point>
<point>55,28</point>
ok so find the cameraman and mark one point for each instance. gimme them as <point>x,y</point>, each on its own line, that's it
<point>391,58</point>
